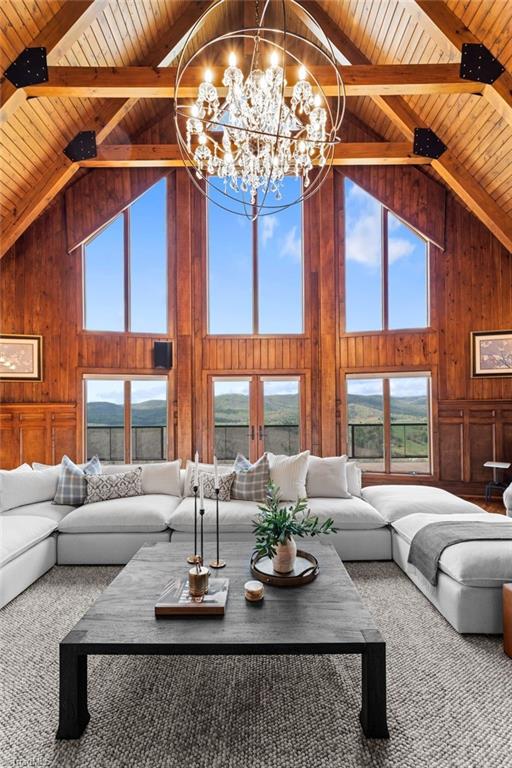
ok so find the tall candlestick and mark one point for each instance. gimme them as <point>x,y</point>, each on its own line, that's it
<point>216,470</point>
<point>196,471</point>
<point>217,563</point>
<point>201,493</point>
<point>194,558</point>
<point>201,514</point>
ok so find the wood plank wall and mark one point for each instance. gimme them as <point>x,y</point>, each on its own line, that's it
<point>471,287</point>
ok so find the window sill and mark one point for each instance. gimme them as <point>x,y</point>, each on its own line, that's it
<point>389,331</point>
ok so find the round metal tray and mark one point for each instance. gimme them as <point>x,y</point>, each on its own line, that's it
<point>306,569</point>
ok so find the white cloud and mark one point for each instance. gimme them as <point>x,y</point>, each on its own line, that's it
<point>399,248</point>
<point>291,245</point>
<point>363,238</point>
<point>269,226</point>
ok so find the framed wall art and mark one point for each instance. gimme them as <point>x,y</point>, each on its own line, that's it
<point>491,353</point>
<point>21,357</point>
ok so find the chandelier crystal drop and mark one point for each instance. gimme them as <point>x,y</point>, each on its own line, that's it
<point>252,127</point>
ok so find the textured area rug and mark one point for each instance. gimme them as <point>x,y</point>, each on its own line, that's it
<point>450,696</point>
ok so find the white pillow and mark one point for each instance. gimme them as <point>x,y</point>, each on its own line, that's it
<point>289,474</point>
<point>327,477</point>
<point>161,477</point>
<point>27,487</point>
<point>21,468</point>
<point>354,479</point>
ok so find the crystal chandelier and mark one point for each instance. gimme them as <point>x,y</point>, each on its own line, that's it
<point>253,128</point>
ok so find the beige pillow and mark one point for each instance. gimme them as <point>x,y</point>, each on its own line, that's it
<point>160,477</point>
<point>327,477</point>
<point>289,474</point>
<point>354,479</point>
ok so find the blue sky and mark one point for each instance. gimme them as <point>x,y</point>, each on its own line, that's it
<point>363,268</point>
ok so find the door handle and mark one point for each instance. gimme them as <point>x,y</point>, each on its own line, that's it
<point>252,433</point>
<point>261,433</point>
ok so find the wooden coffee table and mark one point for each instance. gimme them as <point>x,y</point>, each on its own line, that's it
<point>326,616</point>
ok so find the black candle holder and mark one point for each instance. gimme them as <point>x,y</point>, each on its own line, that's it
<point>195,557</point>
<point>218,563</point>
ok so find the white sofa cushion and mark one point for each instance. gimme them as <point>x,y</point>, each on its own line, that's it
<point>234,517</point>
<point>138,514</point>
<point>396,501</point>
<point>350,514</point>
<point>473,563</point>
<point>507,500</point>
<point>327,477</point>
<point>22,468</point>
<point>289,474</point>
<point>18,534</point>
<point>157,478</point>
<point>27,487</point>
<point>48,509</point>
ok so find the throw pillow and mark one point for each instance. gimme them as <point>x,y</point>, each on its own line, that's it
<point>106,487</point>
<point>327,477</point>
<point>203,468</point>
<point>161,477</point>
<point>225,483</point>
<point>71,488</point>
<point>251,480</point>
<point>354,479</point>
<point>22,487</point>
<point>289,474</point>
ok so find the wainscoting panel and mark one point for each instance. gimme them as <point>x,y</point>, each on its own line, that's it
<point>42,432</point>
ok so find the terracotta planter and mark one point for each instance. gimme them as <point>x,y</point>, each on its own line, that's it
<point>284,560</point>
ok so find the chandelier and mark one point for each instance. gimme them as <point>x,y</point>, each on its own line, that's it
<point>264,116</point>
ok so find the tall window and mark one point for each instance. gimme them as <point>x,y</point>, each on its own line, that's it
<point>386,267</point>
<point>125,269</point>
<point>389,422</point>
<point>126,418</point>
<point>255,269</point>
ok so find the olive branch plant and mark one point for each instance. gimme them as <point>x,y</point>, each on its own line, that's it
<point>276,524</point>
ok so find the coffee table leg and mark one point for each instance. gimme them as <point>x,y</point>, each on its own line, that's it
<point>73,713</point>
<point>373,710</point>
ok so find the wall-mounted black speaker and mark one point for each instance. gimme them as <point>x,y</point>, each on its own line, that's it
<point>162,355</point>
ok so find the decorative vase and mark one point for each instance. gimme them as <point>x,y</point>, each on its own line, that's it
<point>284,560</point>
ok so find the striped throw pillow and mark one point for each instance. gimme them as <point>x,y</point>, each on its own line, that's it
<point>251,480</point>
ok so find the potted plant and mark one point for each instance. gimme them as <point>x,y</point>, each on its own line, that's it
<point>276,526</point>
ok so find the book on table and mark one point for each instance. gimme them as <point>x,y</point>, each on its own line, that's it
<point>176,599</point>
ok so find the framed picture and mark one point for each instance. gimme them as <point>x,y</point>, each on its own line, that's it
<point>21,357</point>
<point>491,353</point>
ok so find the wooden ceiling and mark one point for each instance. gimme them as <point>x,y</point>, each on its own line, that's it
<point>476,127</point>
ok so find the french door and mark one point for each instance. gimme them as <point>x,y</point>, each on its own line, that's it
<point>252,414</point>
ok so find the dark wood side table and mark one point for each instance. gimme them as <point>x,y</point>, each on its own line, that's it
<point>507,619</point>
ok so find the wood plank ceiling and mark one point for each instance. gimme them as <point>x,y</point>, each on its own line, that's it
<point>125,33</point>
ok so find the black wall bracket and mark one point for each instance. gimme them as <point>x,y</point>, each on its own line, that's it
<point>478,63</point>
<point>29,68</point>
<point>427,143</point>
<point>82,147</point>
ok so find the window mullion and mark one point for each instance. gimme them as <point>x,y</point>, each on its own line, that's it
<point>387,426</point>
<point>127,422</point>
<point>127,264</point>
<point>385,271</point>
<point>255,291</point>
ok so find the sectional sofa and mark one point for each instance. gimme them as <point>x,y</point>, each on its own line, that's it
<point>374,523</point>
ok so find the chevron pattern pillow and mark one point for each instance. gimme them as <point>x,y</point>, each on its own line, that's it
<point>71,486</point>
<point>119,486</point>
<point>251,480</point>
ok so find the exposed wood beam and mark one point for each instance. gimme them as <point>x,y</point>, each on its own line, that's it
<point>168,155</point>
<point>158,83</point>
<point>445,27</point>
<point>406,119</point>
<point>57,37</point>
<point>104,121</point>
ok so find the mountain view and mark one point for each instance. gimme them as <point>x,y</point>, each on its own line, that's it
<point>279,409</point>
